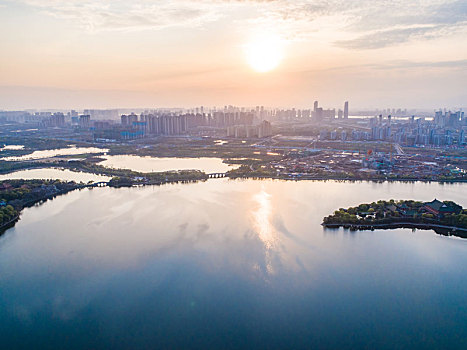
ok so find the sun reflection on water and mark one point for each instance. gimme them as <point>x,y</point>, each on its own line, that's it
<point>263,227</point>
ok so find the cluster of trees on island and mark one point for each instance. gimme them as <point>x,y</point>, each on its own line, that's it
<point>135,178</point>
<point>390,212</point>
<point>120,177</point>
<point>252,171</point>
<point>265,170</point>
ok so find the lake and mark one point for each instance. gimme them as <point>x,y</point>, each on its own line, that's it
<point>231,264</point>
<point>57,152</point>
<point>156,164</point>
<point>11,147</point>
<point>53,174</point>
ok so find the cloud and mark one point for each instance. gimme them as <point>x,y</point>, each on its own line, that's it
<point>404,64</point>
<point>129,16</point>
<point>391,65</point>
<point>368,24</point>
<point>383,38</point>
<point>363,24</point>
<point>394,23</point>
<point>136,15</point>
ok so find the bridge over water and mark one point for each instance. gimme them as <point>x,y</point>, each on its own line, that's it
<point>99,184</point>
<point>217,175</point>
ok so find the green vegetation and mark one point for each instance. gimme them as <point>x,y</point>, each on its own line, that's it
<point>126,177</point>
<point>17,194</point>
<point>134,178</point>
<point>90,166</point>
<point>249,171</point>
<point>10,166</point>
<point>7,214</point>
<point>360,146</point>
<point>392,212</point>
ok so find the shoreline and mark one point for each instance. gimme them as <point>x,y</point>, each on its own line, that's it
<point>438,228</point>
<point>322,178</point>
<point>272,177</point>
<point>9,224</point>
<point>12,222</point>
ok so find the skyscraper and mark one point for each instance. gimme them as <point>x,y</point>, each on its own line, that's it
<point>346,110</point>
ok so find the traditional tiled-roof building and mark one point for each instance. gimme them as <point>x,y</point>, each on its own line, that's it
<point>438,208</point>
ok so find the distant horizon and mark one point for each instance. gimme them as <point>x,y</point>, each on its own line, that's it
<point>11,98</point>
<point>221,108</point>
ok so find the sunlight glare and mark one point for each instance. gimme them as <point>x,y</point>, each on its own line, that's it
<point>263,224</point>
<point>264,53</point>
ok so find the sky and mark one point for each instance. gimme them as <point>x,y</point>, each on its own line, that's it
<point>277,53</point>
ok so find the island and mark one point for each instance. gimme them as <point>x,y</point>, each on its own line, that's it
<point>444,217</point>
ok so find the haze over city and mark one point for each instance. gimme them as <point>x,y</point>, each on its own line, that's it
<point>115,54</point>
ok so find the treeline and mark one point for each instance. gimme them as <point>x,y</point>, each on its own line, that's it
<point>247,171</point>
<point>157,178</point>
<point>10,166</point>
<point>121,177</point>
<point>7,213</point>
<point>387,212</point>
<point>16,194</point>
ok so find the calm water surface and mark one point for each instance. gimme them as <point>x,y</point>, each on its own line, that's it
<point>229,264</point>
<point>154,164</point>
<point>57,152</point>
<point>51,173</point>
<point>11,147</point>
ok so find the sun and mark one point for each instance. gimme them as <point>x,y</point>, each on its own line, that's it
<point>264,53</point>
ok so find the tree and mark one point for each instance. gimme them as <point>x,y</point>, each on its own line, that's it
<point>363,207</point>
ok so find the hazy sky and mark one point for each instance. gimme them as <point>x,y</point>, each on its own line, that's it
<point>161,53</point>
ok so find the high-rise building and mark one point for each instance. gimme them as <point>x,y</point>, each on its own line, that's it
<point>128,120</point>
<point>84,121</point>
<point>57,120</point>
<point>346,110</point>
<point>264,129</point>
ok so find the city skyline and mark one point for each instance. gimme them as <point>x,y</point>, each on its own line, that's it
<point>105,54</point>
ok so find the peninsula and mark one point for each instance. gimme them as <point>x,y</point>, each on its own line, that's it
<point>15,195</point>
<point>444,217</point>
